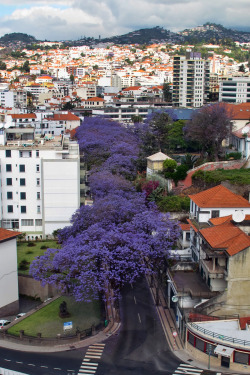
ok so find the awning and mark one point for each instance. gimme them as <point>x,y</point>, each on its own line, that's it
<point>223,350</point>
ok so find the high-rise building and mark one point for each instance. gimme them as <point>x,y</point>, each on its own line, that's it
<point>235,90</point>
<point>40,185</point>
<point>190,80</point>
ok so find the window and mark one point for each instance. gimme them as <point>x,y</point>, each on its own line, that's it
<point>8,167</point>
<point>38,209</point>
<point>27,222</point>
<point>23,209</point>
<point>22,181</point>
<point>10,224</point>
<point>39,222</point>
<point>38,195</point>
<point>21,168</point>
<point>22,195</point>
<point>215,213</point>
<point>9,181</point>
<point>10,208</point>
<point>20,154</point>
<point>9,195</point>
<point>38,182</point>
<point>8,153</point>
<point>188,236</point>
<point>240,357</point>
<point>200,344</point>
<point>191,339</point>
<point>30,154</point>
<point>37,153</point>
<point>38,168</point>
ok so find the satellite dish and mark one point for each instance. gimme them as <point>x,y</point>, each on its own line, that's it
<point>238,216</point>
<point>175,299</point>
<point>245,129</point>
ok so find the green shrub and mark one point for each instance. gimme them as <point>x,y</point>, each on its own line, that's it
<point>234,155</point>
<point>29,252</point>
<point>174,203</point>
<point>23,265</point>
<point>31,244</point>
<point>44,247</point>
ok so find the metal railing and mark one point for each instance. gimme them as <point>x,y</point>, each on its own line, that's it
<point>218,335</point>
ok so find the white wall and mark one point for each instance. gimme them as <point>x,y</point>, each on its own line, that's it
<point>61,192</point>
<point>8,273</point>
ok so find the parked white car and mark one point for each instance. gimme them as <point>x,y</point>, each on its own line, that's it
<point>4,323</point>
<point>19,315</point>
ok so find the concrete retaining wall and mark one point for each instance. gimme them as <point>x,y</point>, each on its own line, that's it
<point>33,288</point>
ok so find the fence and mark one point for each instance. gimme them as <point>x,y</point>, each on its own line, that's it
<point>47,341</point>
<point>219,336</point>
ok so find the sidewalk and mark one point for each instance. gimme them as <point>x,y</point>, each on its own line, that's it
<point>176,344</point>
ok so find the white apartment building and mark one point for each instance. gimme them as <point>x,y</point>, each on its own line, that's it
<point>235,90</point>
<point>190,80</point>
<point>13,98</point>
<point>40,185</point>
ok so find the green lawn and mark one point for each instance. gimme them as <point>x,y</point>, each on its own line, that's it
<point>28,253</point>
<point>47,321</point>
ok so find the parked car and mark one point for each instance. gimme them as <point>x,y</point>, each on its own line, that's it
<point>4,323</point>
<point>19,315</point>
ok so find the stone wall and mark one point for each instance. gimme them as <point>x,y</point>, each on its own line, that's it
<point>33,288</point>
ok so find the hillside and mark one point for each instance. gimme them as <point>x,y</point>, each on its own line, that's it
<point>211,32</point>
<point>16,40</point>
<point>207,33</point>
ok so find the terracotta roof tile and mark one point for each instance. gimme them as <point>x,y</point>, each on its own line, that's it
<point>185,227</point>
<point>23,115</point>
<point>226,236</point>
<point>6,234</point>
<point>218,196</point>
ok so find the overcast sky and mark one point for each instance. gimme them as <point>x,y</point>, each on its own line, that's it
<point>73,19</point>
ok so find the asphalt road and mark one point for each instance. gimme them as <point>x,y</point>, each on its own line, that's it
<point>138,348</point>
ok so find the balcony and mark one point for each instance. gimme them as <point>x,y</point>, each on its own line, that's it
<point>215,271</point>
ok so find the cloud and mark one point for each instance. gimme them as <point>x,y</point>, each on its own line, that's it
<point>71,19</point>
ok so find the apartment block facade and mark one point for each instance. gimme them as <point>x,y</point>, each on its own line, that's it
<point>190,80</point>
<point>40,185</point>
<point>235,90</point>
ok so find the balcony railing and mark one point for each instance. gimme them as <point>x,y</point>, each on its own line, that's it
<point>218,336</point>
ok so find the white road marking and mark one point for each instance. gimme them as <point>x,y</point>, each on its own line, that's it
<point>139,317</point>
<point>135,300</point>
<point>86,371</point>
<point>31,364</point>
<point>183,368</point>
<point>44,366</point>
<point>7,360</point>
<point>57,368</point>
<point>18,362</point>
<point>91,363</point>
<point>93,356</point>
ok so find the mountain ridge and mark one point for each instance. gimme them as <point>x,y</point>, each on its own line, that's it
<point>207,33</point>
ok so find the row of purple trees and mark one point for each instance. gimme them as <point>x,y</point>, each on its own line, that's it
<point>121,236</point>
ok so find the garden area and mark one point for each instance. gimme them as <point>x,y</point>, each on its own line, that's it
<point>28,251</point>
<point>48,322</point>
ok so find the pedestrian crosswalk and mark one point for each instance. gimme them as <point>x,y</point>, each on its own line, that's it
<point>187,369</point>
<point>89,364</point>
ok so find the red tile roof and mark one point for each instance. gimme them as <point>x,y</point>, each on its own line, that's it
<point>65,117</point>
<point>6,234</point>
<point>226,236</point>
<point>218,196</point>
<point>22,115</point>
<point>185,227</point>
